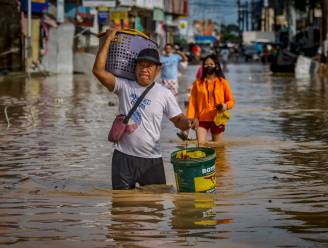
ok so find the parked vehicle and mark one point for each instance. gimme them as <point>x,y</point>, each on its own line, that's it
<point>250,52</point>
<point>206,49</point>
<point>283,61</point>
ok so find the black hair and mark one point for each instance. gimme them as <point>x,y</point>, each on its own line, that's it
<point>169,44</point>
<point>218,71</point>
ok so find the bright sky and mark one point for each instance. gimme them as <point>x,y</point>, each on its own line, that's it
<point>221,11</point>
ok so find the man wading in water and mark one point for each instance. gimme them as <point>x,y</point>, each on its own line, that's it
<point>137,157</point>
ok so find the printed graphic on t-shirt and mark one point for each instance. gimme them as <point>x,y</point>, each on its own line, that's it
<point>136,117</point>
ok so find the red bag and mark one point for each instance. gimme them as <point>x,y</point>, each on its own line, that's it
<point>84,19</point>
<point>118,129</point>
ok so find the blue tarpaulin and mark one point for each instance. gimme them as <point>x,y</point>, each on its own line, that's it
<point>38,6</point>
<point>205,39</point>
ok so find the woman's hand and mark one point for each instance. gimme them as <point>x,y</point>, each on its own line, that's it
<point>221,107</point>
<point>193,123</point>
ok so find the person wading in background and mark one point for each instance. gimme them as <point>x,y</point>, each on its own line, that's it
<point>210,94</point>
<point>170,62</point>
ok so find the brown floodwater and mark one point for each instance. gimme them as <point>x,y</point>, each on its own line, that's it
<point>272,169</point>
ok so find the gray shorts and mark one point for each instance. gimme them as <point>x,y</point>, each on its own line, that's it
<point>128,170</point>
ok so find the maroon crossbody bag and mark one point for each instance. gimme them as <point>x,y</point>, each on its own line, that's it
<point>121,121</point>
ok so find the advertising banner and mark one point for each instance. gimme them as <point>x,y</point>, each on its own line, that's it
<point>98,3</point>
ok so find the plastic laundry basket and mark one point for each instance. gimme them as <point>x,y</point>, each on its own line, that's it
<point>123,51</point>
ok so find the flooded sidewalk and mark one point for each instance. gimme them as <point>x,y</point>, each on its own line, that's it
<point>272,169</point>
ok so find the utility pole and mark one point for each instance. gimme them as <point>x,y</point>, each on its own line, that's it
<point>28,39</point>
<point>238,16</point>
<point>324,35</point>
<point>266,19</point>
<point>60,11</point>
<point>252,15</point>
<point>247,15</point>
<point>239,21</point>
<point>242,18</point>
<point>274,15</point>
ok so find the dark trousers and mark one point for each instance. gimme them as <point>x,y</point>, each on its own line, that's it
<point>128,170</point>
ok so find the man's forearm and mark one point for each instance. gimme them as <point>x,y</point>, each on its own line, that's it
<point>183,124</point>
<point>101,57</point>
<point>99,68</point>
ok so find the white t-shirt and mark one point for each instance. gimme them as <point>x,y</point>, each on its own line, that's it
<point>225,54</point>
<point>144,127</point>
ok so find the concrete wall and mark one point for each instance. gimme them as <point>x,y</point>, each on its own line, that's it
<point>83,62</point>
<point>60,50</point>
<point>253,36</point>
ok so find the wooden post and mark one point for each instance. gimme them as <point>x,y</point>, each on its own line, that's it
<point>28,40</point>
<point>324,28</point>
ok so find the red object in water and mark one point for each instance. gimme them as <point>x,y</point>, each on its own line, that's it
<point>84,19</point>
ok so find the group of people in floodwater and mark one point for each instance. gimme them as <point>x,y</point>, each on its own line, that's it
<point>137,157</point>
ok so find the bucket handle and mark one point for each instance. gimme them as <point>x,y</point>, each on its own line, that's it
<point>187,139</point>
<point>126,31</point>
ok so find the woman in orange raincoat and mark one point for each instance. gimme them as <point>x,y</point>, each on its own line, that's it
<point>210,94</point>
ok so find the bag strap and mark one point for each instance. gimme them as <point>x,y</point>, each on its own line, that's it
<point>135,106</point>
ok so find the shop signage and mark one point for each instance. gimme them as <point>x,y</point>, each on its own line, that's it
<point>97,3</point>
<point>183,27</point>
<point>158,15</point>
<point>38,6</point>
<point>120,18</point>
<point>127,2</point>
<point>103,14</point>
<point>149,4</point>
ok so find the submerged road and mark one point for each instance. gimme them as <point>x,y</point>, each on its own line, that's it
<point>272,169</point>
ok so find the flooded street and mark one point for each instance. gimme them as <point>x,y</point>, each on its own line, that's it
<point>272,169</point>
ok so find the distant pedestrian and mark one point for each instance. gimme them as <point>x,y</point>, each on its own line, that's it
<point>170,62</point>
<point>224,53</point>
<point>196,52</point>
<point>265,55</point>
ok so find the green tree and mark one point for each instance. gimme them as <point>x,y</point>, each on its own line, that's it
<point>303,4</point>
